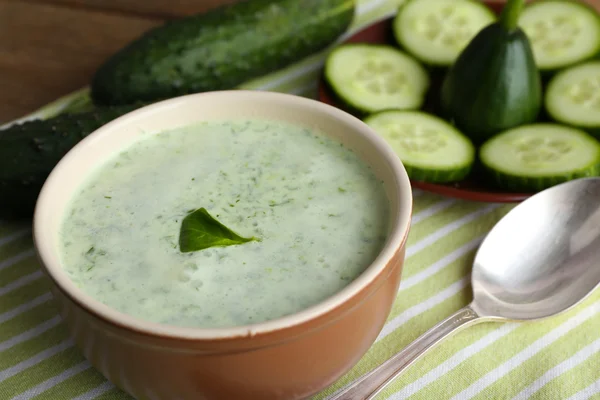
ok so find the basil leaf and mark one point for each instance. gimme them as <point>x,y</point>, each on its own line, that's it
<point>199,230</point>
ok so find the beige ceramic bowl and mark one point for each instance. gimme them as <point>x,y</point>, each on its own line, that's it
<point>288,358</point>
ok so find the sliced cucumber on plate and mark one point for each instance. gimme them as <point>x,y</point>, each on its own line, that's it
<point>562,32</point>
<point>370,77</point>
<point>431,149</point>
<point>491,95</point>
<point>573,97</point>
<point>436,31</point>
<point>536,156</point>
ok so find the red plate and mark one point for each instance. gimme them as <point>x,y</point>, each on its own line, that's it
<point>475,187</point>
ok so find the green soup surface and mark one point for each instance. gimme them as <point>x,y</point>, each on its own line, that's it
<point>319,211</point>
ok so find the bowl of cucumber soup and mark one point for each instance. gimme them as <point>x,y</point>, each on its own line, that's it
<point>234,244</point>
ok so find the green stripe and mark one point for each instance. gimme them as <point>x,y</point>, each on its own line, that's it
<point>16,246</point>
<point>434,284</point>
<point>489,358</point>
<point>440,354</point>
<point>18,270</point>
<point>572,381</point>
<point>23,294</point>
<point>478,227</point>
<point>40,372</point>
<point>431,224</point>
<point>74,386</point>
<point>27,320</point>
<point>25,350</point>
<point>512,383</point>
<point>425,201</point>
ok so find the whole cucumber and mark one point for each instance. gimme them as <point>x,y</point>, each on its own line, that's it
<point>220,49</point>
<point>494,85</point>
<point>30,150</point>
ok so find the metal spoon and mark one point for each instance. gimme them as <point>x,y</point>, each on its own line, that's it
<point>541,259</point>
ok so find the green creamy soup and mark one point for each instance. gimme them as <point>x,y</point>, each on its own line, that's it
<point>320,214</point>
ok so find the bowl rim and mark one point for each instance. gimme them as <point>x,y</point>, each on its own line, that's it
<point>399,227</point>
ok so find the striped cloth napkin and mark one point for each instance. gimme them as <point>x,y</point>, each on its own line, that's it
<point>558,358</point>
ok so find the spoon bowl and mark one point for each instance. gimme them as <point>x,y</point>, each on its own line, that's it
<point>539,260</point>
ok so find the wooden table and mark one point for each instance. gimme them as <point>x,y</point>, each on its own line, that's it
<point>49,48</point>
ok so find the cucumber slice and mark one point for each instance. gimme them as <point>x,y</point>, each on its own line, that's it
<point>536,156</point>
<point>573,97</point>
<point>369,77</point>
<point>436,31</point>
<point>431,149</point>
<point>562,32</point>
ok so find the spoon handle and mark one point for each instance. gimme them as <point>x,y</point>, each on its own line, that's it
<point>370,384</point>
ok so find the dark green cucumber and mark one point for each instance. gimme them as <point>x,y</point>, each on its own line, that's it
<point>30,150</point>
<point>431,149</point>
<point>562,32</point>
<point>494,84</point>
<point>573,97</point>
<point>220,49</point>
<point>534,157</point>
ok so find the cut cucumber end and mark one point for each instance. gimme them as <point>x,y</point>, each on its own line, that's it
<point>436,31</point>
<point>431,149</point>
<point>370,78</point>
<point>573,96</point>
<point>536,156</point>
<point>561,32</point>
